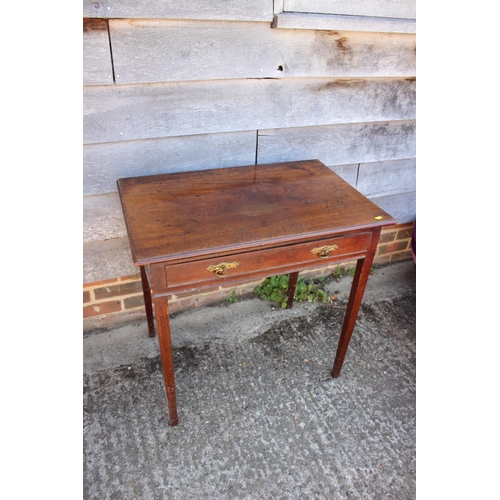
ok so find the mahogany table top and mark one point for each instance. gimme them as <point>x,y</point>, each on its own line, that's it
<point>181,216</point>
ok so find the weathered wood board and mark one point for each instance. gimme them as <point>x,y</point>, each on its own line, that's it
<point>348,172</point>
<point>107,259</point>
<point>169,51</point>
<point>131,112</point>
<point>340,144</point>
<point>387,178</point>
<point>97,67</point>
<point>230,10</point>
<point>339,22</point>
<point>377,8</point>
<point>102,218</point>
<point>401,206</point>
<point>103,164</point>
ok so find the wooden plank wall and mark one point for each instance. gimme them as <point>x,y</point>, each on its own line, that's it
<point>171,86</point>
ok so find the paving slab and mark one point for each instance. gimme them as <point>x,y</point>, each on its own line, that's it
<point>259,415</point>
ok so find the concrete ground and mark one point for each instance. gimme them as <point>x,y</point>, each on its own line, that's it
<point>259,415</point>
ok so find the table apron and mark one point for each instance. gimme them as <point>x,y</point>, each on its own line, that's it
<point>199,275</point>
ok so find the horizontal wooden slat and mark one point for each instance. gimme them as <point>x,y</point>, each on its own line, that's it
<point>378,8</point>
<point>348,172</point>
<point>103,164</point>
<point>278,6</point>
<point>340,144</point>
<point>231,10</point>
<point>130,112</point>
<point>107,259</point>
<point>102,218</point>
<point>387,178</point>
<point>97,69</point>
<point>401,206</point>
<point>292,20</point>
<point>167,51</point>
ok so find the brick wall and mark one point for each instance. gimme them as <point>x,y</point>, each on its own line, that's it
<point>120,300</point>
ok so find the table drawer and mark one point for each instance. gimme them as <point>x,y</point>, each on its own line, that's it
<point>269,261</point>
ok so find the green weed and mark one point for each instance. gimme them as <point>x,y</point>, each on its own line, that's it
<point>275,289</point>
<point>232,298</point>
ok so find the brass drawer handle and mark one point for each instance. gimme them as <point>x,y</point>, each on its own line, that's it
<point>324,252</point>
<point>220,270</point>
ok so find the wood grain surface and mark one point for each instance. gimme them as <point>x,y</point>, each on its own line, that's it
<point>378,8</point>
<point>177,216</point>
<point>168,51</point>
<point>131,112</point>
<point>231,10</point>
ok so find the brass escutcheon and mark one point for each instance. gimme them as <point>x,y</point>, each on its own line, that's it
<point>220,270</point>
<point>324,252</point>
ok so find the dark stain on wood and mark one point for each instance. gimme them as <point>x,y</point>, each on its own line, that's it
<point>384,129</point>
<point>342,83</point>
<point>341,44</point>
<point>409,129</point>
<point>379,130</point>
<point>94,25</point>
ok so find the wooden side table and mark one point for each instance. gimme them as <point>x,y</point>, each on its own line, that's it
<point>196,230</point>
